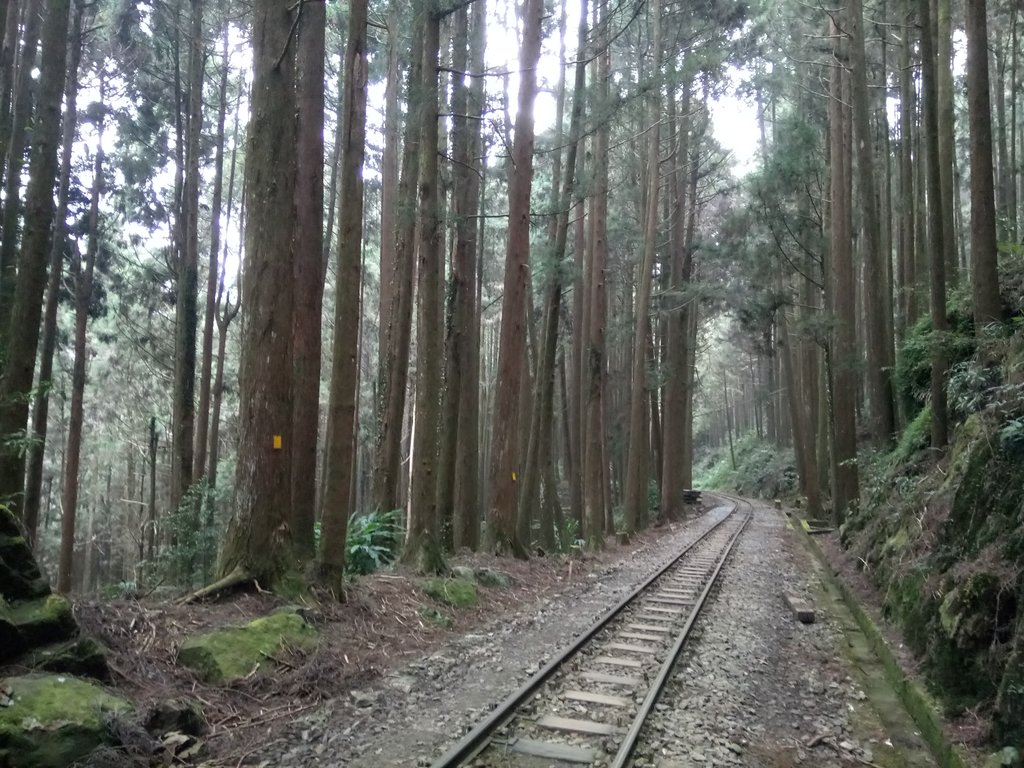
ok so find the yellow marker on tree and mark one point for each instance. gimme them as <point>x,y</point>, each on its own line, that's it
<point>277,442</point>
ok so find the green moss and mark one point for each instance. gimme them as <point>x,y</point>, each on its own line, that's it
<point>53,721</point>
<point>457,593</point>
<point>46,620</point>
<point>435,616</point>
<point>915,437</point>
<point>233,653</point>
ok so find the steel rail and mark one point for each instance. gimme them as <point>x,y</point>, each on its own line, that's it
<point>478,738</point>
<point>633,734</point>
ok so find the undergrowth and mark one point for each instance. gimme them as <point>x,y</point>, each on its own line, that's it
<point>761,469</point>
<point>942,532</point>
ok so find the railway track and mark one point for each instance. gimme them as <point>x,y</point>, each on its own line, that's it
<point>588,705</point>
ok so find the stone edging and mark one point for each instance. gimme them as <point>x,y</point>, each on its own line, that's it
<point>918,703</point>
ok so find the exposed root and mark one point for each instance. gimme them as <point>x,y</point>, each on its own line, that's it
<point>237,578</point>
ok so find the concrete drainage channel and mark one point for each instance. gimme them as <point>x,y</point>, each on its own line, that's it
<point>614,672</point>
<point>886,681</point>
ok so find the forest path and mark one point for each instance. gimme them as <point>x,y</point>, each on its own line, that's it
<point>754,687</point>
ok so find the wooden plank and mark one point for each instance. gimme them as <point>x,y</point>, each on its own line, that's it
<point>660,609</point>
<point>641,636</point>
<point>649,628</point>
<point>801,608</point>
<point>617,661</point>
<point>630,648</point>
<point>670,592</point>
<point>548,750</point>
<point>576,726</point>
<point>601,677</point>
<point>593,697</point>
<point>670,600</point>
<point>653,617</point>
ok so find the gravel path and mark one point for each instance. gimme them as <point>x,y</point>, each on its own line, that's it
<point>757,688</point>
<point>754,687</point>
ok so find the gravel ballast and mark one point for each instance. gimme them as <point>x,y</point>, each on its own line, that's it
<point>754,687</point>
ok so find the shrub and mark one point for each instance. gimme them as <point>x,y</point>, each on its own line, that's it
<point>372,541</point>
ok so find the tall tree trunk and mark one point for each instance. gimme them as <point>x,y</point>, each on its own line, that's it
<point>186,307</point>
<point>257,541</point>
<point>457,491</point>
<point>307,261</point>
<point>907,304</point>
<point>882,423</point>
<point>389,185</point>
<point>213,275</point>
<point>394,355</point>
<point>676,393</point>
<point>984,249</point>
<point>944,94</point>
<point>844,359</point>
<point>638,458</point>
<point>27,308</point>
<point>936,262</point>
<point>15,140</point>
<point>422,544</point>
<point>806,465</point>
<point>504,469</point>
<point>83,280</point>
<point>594,378</point>
<point>539,451</point>
<point>341,414</point>
<point>41,403</point>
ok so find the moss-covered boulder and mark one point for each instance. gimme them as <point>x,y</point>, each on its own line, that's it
<point>51,721</point>
<point>47,620</point>
<point>458,593</point>
<point>20,577</point>
<point>33,623</point>
<point>231,654</point>
<point>83,656</point>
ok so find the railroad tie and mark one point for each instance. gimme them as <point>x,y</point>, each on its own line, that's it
<point>602,677</point>
<point>547,750</point>
<point>630,648</point>
<point>571,724</point>
<point>592,697</point>
<point>641,636</point>
<point>618,661</point>
<point>648,628</point>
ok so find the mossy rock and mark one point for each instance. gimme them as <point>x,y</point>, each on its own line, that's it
<point>458,593</point>
<point>84,657</point>
<point>52,721</point>
<point>489,577</point>
<point>435,616</point>
<point>34,623</point>
<point>231,654</point>
<point>20,577</point>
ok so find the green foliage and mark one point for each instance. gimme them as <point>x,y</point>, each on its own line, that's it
<point>1011,436</point>
<point>372,541</point>
<point>762,469</point>
<point>915,437</point>
<point>970,387</point>
<point>193,538</point>
<point>568,538</point>
<point>912,375</point>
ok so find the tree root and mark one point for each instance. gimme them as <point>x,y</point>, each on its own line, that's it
<point>237,578</point>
